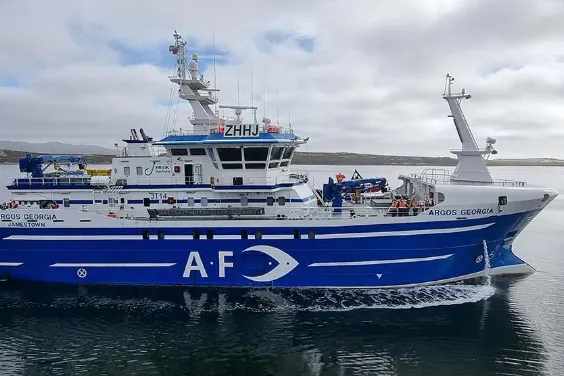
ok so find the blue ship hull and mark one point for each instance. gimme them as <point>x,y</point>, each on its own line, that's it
<point>383,255</point>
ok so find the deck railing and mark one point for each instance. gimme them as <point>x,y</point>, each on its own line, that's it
<point>443,176</point>
<point>248,181</point>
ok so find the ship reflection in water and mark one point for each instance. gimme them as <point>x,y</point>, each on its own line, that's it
<point>440,330</point>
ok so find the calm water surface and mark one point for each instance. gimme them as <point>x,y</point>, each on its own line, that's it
<point>514,327</point>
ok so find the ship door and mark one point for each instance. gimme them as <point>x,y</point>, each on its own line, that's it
<point>188,174</point>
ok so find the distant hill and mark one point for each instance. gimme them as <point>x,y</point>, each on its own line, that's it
<point>55,148</point>
<point>8,156</point>
<point>317,158</point>
<point>13,156</point>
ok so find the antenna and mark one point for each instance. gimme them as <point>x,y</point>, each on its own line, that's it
<point>289,116</point>
<point>264,93</point>
<point>214,75</point>
<point>277,121</point>
<point>237,82</point>
<point>252,85</point>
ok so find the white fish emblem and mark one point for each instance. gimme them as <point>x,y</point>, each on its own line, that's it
<point>286,263</point>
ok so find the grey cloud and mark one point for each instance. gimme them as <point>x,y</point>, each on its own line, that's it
<point>372,84</point>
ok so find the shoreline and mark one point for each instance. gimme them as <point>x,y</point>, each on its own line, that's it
<point>11,157</point>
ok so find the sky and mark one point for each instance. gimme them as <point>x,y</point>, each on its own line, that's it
<point>354,75</point>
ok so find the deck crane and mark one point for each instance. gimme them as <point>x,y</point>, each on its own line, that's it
<point>336,191</point>
<point>34,165</point>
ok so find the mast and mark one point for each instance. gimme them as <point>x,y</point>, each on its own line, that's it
<point>192,84</point>
<point>471,166</point>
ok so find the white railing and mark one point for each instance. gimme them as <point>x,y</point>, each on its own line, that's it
<point>183,132</point>
<point>214,128</point>
<point>54,181</point>
<point>274,213</point>
<point>170,180</point>
<point>434,175</point>
<point>509,183</point>
<point>328,212</point>
<point>154,150</point>
<point>443,176</point>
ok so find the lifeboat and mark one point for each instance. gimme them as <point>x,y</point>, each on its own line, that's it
<point>273,128</point>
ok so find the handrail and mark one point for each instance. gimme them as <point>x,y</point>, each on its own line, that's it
<point>171,180</point>
<point>443,176</point>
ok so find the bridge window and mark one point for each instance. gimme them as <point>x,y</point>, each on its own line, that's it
<point>288,153</point>
<point>66,202</point>
<point>284,164</point>
<point>281,201</point>
<point>270,201</point>
<point>139,170</point>
<point>126,171</point>
<point>198,151</point>
<point>256,154</point>
<point>237,180</point>
<point>179,151</point>
<point>276,153</point>
<point>232,166</point>
<point>273,165</point>
<point>229,154</point>
<point>255,166</point>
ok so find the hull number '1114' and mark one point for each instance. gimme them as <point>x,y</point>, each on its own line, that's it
<point>241,130</point>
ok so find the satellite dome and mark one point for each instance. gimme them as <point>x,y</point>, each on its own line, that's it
<point>194,56</point>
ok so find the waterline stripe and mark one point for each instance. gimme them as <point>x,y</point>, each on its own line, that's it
<point>112,265</point>
<point>11,263</point>
<point>381,262</point>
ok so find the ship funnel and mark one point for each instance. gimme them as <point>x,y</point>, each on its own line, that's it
<point>143,134</point>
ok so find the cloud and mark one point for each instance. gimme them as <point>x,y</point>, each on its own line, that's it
<point>358,76</point>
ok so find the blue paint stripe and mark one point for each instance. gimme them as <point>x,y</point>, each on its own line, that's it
<point>179,201</point>
<point>24,186</point>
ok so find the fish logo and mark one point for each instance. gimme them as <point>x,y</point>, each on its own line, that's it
<point>286,263</point>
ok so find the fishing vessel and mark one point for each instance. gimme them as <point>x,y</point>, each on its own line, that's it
<point>221,205</point>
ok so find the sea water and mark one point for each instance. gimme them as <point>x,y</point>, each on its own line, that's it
<point>512,327</point>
